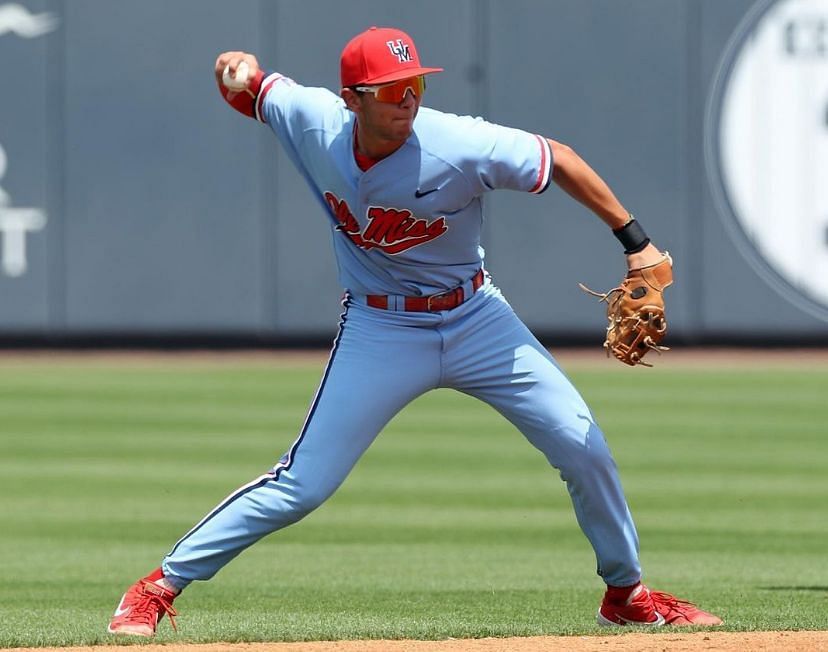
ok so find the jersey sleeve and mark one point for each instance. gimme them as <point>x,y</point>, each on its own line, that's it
<point>291,109</point>
<point>503,157</point>
<point>275,86</point>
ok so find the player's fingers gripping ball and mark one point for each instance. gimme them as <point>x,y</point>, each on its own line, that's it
<point>635,310</point>
<point>237,81</point>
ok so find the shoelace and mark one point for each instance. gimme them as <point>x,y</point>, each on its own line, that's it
<point>143,612</point>
<point>671,601</point>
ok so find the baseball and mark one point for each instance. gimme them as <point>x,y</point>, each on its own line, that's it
<point>239,82</point>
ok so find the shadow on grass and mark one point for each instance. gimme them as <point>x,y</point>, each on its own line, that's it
<point>823,589</point>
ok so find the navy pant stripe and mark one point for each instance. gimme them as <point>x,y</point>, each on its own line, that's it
<point>277,470</point>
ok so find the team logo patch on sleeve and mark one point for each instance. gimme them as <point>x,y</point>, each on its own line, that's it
<point>391,230</point>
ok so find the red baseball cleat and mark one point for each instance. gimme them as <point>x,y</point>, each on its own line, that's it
<point>142,606</point>
<point>652,609</point>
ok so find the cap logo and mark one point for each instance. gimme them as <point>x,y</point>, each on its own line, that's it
<point>399,50</point>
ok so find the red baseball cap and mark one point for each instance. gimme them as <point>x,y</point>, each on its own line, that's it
<point>380,55</point>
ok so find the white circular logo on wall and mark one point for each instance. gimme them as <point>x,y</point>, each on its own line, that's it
<point>767,146</point>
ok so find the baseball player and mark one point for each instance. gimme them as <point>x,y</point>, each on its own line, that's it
<point>401,186</point>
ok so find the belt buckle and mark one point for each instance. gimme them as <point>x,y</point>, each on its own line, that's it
<point>452,299</point>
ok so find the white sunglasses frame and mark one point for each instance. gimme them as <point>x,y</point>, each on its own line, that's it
<point>374,89</point>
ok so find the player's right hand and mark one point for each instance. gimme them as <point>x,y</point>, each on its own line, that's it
<point>233,59</point>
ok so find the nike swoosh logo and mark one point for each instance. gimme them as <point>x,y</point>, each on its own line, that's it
<point>119,611</point>
<point>418,193</point>
<point>659,621</point>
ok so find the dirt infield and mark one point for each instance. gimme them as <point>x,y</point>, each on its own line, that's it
<point>662,641</point>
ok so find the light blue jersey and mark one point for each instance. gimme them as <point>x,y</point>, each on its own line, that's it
<point>411,224</point>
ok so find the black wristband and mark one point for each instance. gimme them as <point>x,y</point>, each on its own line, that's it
<point>632,236</point>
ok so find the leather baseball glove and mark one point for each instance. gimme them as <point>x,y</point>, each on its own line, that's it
<point>635,310</point>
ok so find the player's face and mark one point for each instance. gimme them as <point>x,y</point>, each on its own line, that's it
<point>385,120</point>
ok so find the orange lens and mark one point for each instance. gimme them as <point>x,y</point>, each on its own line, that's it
<point>395,92</point>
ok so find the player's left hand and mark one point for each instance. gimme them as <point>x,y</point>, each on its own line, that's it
<point>647,256</point>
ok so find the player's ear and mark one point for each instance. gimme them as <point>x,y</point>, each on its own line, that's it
<point>351,98</point>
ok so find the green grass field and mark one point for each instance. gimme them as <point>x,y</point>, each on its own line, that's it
<point>450,526</point>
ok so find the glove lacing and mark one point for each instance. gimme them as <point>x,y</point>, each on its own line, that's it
<point>615,294</point>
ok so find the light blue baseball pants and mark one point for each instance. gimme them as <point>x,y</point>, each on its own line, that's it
<point>480,348</point>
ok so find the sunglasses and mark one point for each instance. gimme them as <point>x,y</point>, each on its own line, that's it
<point>394,93</point>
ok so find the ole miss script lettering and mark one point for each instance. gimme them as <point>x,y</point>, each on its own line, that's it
<point>389,229</point>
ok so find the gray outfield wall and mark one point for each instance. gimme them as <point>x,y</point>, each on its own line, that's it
<point>134,202</point>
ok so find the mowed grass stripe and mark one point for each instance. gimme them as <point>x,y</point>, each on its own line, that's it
<point>451,524</point>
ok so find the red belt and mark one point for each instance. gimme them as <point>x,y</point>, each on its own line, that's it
<point>433,303</point>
